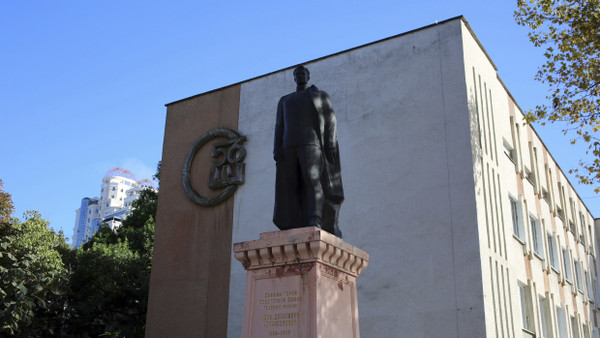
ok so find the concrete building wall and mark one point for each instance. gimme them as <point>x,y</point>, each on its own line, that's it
<point>406,158</point>
<point>486,98</point>
<point>470,224</point>
<point>189,283</point>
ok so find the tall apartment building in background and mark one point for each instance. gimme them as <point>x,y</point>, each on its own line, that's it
<point>118,191</point>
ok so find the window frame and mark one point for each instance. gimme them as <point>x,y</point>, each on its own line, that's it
<point>568,270</point>
<point>545,317</point>
<point>516,218</point>
<point>537,242</point>
<point>562,326</point>
<point>527,313</point>
<point>589,285</point>
<point>553,255</point>
<point>578,276</point>
<point>574,327</point>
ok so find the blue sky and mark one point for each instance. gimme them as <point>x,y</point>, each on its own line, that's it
<point>83,83</point>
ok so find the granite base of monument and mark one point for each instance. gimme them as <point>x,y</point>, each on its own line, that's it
<point>300,283</point>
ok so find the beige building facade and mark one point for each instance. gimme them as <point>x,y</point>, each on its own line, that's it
<point>536,235</point>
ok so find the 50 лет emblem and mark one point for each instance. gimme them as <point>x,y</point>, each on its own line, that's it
<point>228,167</point>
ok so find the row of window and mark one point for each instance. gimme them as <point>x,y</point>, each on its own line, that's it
<point>583,281</point>
<point>581,231</point>
<point>547,318</point>
<point>112,189</point>
<point>107,205</point>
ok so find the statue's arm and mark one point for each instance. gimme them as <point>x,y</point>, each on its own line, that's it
<point>330,137</point>
<point>277,144</point>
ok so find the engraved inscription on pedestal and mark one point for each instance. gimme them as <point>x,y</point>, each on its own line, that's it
<point>277,307</point>
<point>281,312</point>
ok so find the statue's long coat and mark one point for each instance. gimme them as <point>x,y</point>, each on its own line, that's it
<point>287,213</point>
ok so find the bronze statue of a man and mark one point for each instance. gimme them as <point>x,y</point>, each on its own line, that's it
<point>308,187</point>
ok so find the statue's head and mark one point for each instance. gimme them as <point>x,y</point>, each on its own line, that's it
<point>301,75</point>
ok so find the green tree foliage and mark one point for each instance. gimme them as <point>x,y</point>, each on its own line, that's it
<point>110,280</point>
<point>157,175</point>
<point>6,205</point>
<point>569,30</point>
<point>33,278</point>
<point>109,291</point>
<point>49,289</point>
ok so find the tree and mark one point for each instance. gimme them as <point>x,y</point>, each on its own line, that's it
<point>110,281</point>
<point>6,205</point>
<point>101,289</point>
<point>569,31</point>
<point>108,291</point>
<point>157,175</point>
<point>33,279</point>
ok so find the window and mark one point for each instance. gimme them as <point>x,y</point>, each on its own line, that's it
<point>535,169</point>
<point>530,176</point>
<point>567,266</point>
<point>526,308</point>
<point>514,139</point>
<point>591,240</point>
<point>552,253</point>
<point>560,213</point>
<point>514,133</point>
<point>582,229</point>
<point>536,237</point>
<point>578,278</point>
<point>560,207</point>
<point>546,196</point>
<point>516,220</point>
<point>586,332</point>
<point>546,192</point>
<point>545,318</point>
<point>530,172</point>
<point>561,319</point>
<point>509,151</point>
<point>572,226</point>
<point>574,327</point>
<point>590,290</point>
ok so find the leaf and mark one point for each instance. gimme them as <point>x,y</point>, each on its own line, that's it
<point>568,31</point>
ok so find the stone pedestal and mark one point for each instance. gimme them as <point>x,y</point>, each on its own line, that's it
<point>300,283</point>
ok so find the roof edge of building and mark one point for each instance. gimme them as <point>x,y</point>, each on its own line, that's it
<point>460,17</point>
